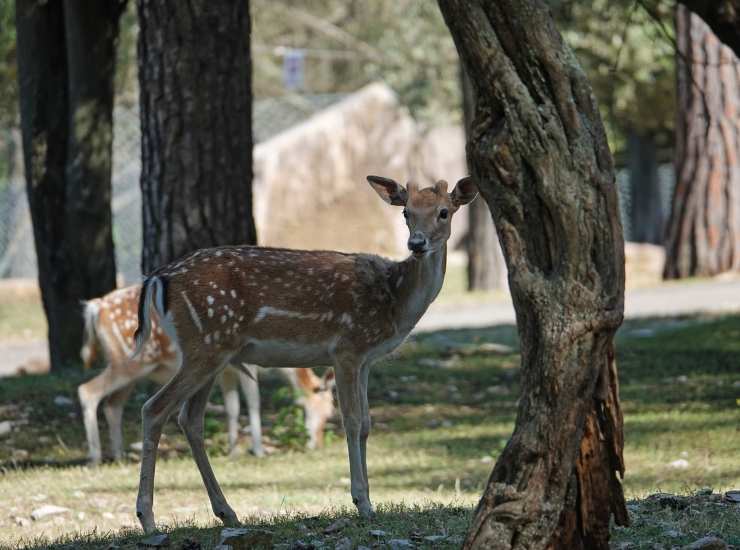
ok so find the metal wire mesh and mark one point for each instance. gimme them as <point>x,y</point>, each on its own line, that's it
<point>17,253</point>
<point>270,116</point>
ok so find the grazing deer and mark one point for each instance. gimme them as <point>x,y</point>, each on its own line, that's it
<point>277,308</point>
<point>109,327</point>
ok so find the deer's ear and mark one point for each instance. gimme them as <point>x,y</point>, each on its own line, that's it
<point>464,192</point>
<point>389,190</point>
<point>328,381</point>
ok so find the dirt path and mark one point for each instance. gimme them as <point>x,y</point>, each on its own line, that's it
<point>667,300</point>
<point>663,301</point>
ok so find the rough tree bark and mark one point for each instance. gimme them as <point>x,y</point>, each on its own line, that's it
<point>66,63</point>
<point>540,156</point>
<point>486,266</point>
<point>703,234</point>
<point>194,76</point>
<point>722,16</point>
<point>646,212</point>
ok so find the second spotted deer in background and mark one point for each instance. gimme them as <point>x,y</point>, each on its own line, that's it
<point>291,308</point>
<point>110,322</point>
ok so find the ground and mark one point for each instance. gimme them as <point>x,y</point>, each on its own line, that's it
<point>443,408</point>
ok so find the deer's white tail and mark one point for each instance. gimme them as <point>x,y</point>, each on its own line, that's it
<point>153,292</point>
<point>90,339</point>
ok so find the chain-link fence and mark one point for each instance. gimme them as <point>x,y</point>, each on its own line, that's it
<point>270,117</point>
<point>17,253</point>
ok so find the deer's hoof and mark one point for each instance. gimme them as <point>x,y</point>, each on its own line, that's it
<point>147,522</point>
<point>365,509</point>
<point>228,517</point>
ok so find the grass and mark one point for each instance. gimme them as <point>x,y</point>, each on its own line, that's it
<point>21,317</point>
<point>441,417</point>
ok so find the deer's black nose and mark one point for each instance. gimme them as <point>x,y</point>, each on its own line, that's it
<point>417,243</point>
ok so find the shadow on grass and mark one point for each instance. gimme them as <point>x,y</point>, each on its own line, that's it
<point>447,524</point>
<point>665,365</point>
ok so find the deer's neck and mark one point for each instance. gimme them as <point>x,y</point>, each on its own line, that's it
<point>417,283</point>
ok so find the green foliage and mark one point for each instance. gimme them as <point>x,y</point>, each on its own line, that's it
<point>628,58</point>
<point>349,44</point>
<point>630,63</point>
<point>289,429</point>
<point>8,68</point>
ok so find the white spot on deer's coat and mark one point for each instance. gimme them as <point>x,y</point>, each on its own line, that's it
<point>193,313</point>
<point>209,299</point>
<point>223,319</point>
<point>207,339</point>
<point>264,311</point>
<point>223,292</point>
<point>233,293</point>
<point>210,312</point>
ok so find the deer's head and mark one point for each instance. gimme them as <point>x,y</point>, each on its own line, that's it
<point>428,211</point>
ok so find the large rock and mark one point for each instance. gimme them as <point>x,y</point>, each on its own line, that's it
<point>309,181</point>
<point>643,264</point>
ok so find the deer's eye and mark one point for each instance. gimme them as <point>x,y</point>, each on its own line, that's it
<point>405,213</point>
<point>444,214</point>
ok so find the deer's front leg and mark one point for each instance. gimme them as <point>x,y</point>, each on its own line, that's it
<point>366,423</point>
<point>349,391</point>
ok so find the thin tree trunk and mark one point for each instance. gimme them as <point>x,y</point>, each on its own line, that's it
<point>66,167</point>
<point>703,235</point>
<point>194,75</point>
<point>646,212</point>
<point>486,266</point>
<point>539,154</point>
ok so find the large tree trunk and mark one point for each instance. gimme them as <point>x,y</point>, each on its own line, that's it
<point>646,211</point>
<point>194,75</point>
<point>486,266</point>
<point>722,16</point>
<point>703,236</point>
<point>540,156</point>
<point>65,67</point>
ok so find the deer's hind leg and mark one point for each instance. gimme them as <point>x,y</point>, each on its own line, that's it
<point>190,420</point>
<point>184,384</point>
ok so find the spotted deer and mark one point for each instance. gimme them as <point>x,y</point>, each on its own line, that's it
<point>110,322</point>
<point>288,308</point>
